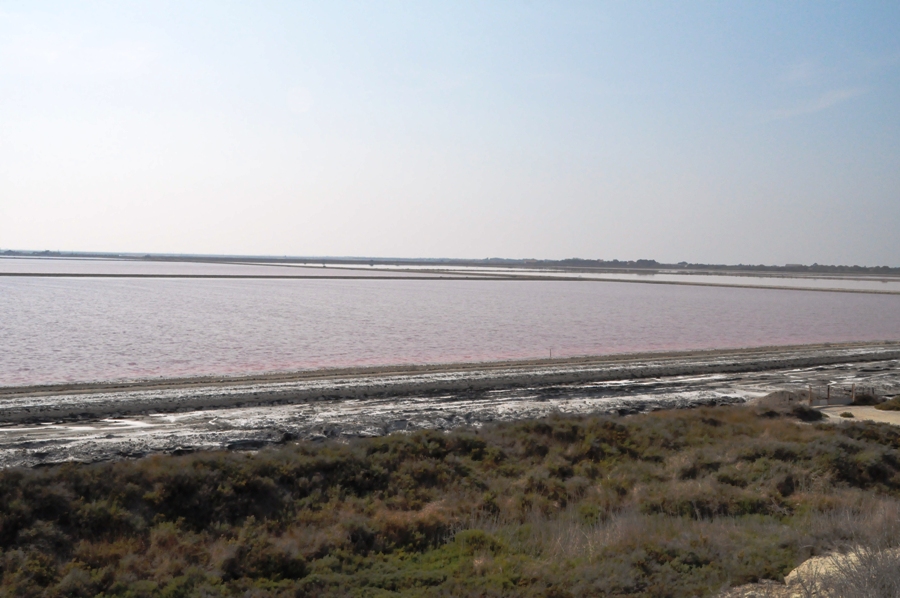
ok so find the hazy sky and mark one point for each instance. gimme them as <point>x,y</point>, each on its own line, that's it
<point>762,132</point>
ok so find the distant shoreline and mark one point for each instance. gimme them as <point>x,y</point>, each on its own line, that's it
<point>572,264</point>
<point>474,277</point>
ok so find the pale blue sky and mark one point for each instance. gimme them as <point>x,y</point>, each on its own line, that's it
<point>709,132</point>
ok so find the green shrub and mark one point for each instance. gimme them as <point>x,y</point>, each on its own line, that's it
<point>890,405</point>
<point>806,413</point>
<point>864,399</point>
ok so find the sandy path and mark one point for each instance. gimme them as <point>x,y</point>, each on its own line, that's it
<point>863,414</point>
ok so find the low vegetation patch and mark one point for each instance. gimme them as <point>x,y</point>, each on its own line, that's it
<point>679,503</point>
<point>865,400</point>
<point>890,405</point>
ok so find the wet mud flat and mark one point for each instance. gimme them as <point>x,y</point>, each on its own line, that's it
<point>43,425</point>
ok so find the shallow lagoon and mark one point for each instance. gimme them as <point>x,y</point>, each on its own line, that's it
<point>71,329</point>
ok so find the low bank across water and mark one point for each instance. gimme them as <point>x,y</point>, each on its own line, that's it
<point>364,382</point>
<point>45,425</point>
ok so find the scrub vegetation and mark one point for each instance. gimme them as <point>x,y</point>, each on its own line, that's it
<point>890,405</point>
<point>677,503</point>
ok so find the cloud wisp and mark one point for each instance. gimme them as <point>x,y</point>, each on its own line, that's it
<point>823,102</point>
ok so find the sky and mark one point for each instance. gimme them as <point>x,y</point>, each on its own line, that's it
<point>723,132</point>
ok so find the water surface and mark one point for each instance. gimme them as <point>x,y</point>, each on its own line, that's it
<point>69,329</point>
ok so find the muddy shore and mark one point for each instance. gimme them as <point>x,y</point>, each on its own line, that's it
<point>90,422</point>
<point>366,382</point>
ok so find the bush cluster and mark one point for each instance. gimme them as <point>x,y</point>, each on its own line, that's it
<point>889,405</point>
<point>679,503</point>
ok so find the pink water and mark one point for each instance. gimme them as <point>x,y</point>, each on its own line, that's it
<point>56,330</point>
